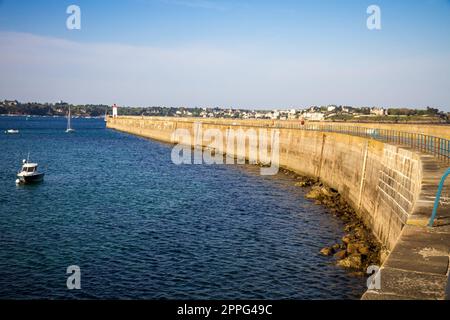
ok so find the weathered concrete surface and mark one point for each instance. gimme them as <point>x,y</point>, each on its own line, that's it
<point>391,188</point>
<point>436,130</point>
<point>417,268</point>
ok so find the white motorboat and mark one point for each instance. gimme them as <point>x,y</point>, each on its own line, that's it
<point>29,173</point>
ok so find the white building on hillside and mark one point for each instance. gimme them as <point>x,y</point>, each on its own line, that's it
<point>378,111</point>
<point>314,116</point>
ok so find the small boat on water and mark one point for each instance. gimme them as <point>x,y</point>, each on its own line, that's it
<point>12,131</point>
<point>69,127</point>
<point>29,173</point>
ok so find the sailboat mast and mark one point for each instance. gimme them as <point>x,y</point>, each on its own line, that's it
<point>68,120</point>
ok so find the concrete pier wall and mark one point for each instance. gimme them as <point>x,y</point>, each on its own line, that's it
<point>382,182</point>
<point>390,187</point>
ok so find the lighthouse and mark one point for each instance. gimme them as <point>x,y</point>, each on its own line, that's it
<point>114,111</point>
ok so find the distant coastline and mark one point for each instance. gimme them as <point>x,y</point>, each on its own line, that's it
<point>54,116</point>
<point>331,113</point>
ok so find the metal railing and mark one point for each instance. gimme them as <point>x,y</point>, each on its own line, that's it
<point>438,197</point>
<point>438,147</point>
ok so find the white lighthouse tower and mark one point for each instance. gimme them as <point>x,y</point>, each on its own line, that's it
<point>114,111</point>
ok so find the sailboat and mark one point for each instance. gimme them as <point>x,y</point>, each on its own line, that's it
<point>69,128</point>
<point>106,115</point>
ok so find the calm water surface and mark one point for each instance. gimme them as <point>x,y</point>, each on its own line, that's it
<point>141,227</point>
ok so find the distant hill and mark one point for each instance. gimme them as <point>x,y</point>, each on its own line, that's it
<point>89,110</point>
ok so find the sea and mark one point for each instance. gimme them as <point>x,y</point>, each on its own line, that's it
<point>141,227</point>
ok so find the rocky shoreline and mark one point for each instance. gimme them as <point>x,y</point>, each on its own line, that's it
<point>358,248</point>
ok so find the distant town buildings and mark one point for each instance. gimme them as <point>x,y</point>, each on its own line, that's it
<point>310,113</point>
<point>313,116</point>
<point>379,111</point>
<point>331,108</point>
<point>10,103</point>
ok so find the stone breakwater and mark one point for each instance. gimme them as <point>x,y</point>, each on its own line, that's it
<point>391,190</point>
<point>358,248</point>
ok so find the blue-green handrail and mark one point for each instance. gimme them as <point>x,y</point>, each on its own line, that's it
<point>438,197</point>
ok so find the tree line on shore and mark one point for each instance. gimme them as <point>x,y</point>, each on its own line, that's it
<point>91,110</point>
<point>97,110</point>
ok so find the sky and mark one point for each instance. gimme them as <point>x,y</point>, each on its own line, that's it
<point>240,54</point>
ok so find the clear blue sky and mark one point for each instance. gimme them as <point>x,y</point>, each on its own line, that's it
<point>250,54</point>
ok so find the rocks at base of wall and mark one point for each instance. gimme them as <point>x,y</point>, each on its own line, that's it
<point>305,181</point>
<point>346,239</point>
<point>364,250</point>
<point>323,194</point>
<point>353,261</point>
<point>341,254</point>
<point>302,184</point>
<point>352,248</point>
<point>336,247</point>
<point>327,251</point>
<point>359,248</point>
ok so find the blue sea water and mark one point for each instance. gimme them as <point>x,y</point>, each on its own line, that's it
<point>141,227</point>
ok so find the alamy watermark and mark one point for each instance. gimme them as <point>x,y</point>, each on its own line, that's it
<point>211,145</point>
<point>374,20</point>
<point>73,21</point>
<point>74,280</point>
<point>374,279</point>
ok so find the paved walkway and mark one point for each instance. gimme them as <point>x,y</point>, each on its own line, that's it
<point>418,266</point>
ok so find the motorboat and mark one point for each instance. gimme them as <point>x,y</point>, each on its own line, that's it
<point>12,131</point>
<point>29,173</point>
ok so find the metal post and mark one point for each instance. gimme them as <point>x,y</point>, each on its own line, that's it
<point>438,197</point>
